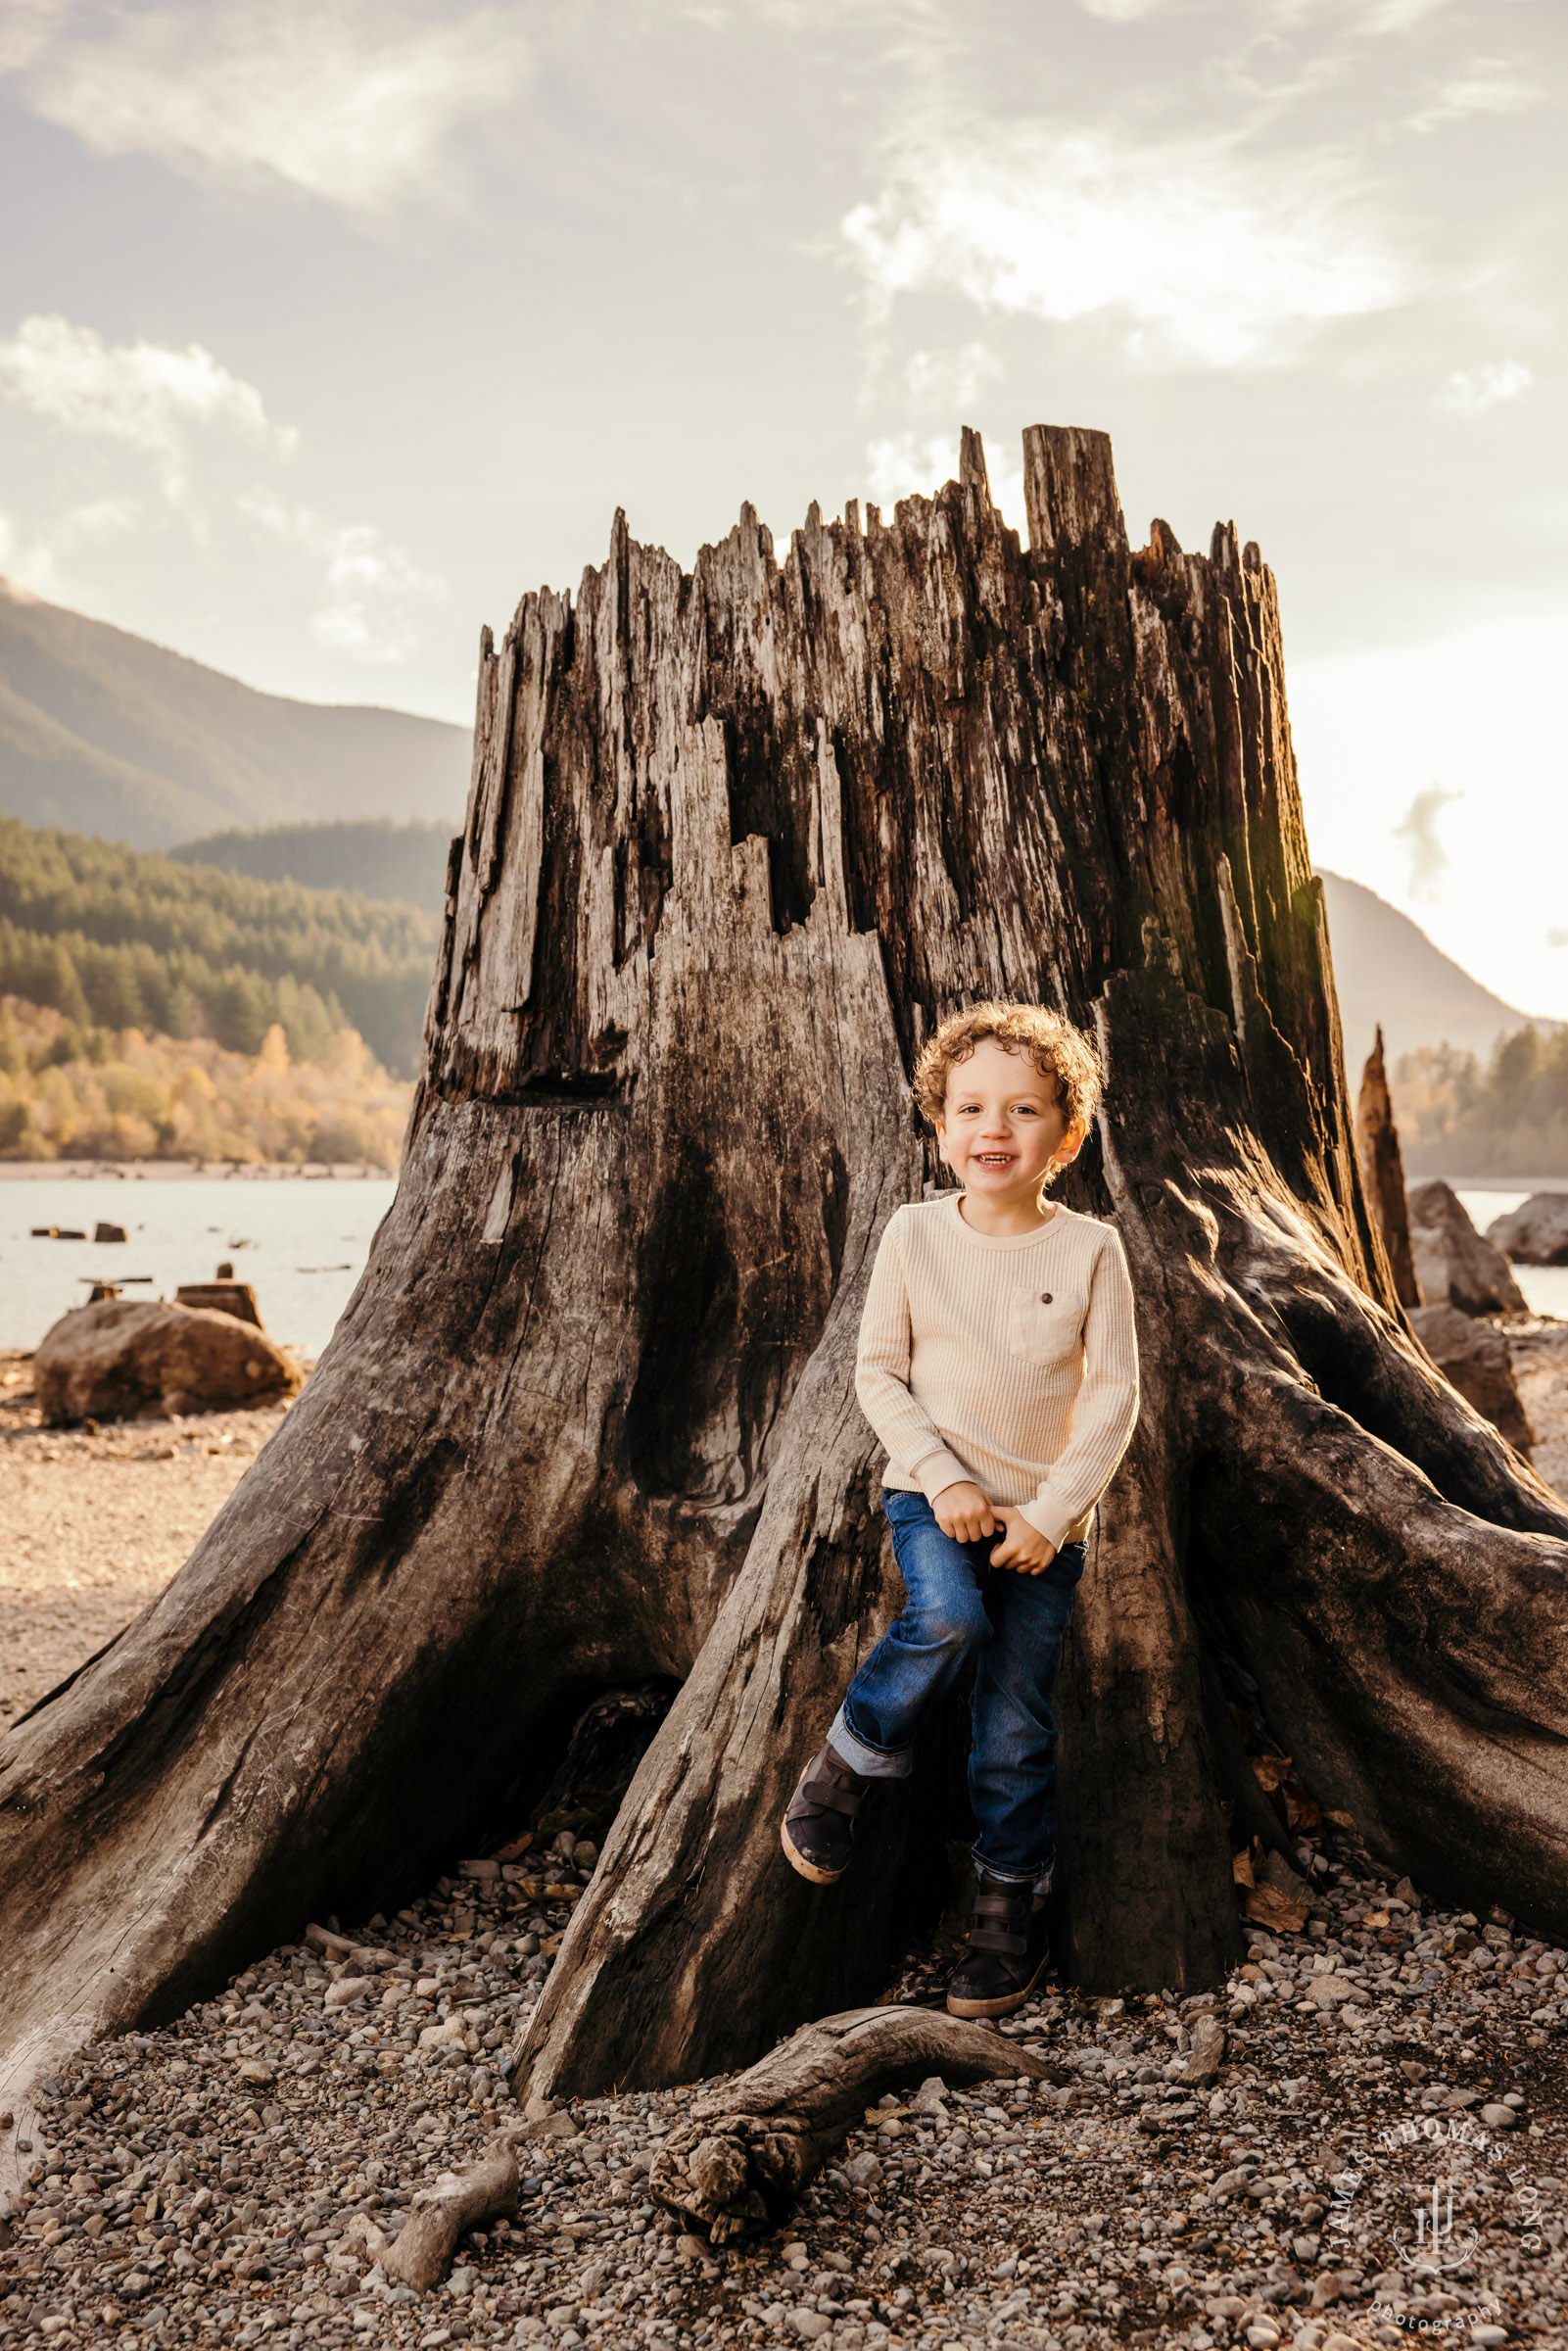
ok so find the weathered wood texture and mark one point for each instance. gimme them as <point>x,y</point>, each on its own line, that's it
<point>735,2166</point>
<point>735,838</point>
<point>420,2254</point>
<point>1382,1170</point>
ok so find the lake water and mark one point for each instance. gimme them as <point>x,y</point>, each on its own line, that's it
<point>299,1241</point>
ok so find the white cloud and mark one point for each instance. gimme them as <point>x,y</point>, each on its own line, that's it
<point>1470,392</point>
<point>1201,255</point>
<point>1480,712</point>
<point>950,379</point>
<point>914,466</point>
<point>901,466</point>
<point>102,518</point>
<point>1489,88</point>
<point>28,563</point>
<point>142,393</point>
<point>24,30</point>
<point>370,584</point>
<point>1393,17</point>
<point>348,101</point>
<point>1417,829</point>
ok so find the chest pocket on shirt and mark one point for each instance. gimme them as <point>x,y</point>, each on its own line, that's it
<point>1045,1327</point>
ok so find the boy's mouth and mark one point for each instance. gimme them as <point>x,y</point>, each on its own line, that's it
<point>993,1159</point>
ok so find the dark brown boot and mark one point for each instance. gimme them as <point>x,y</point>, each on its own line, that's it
<point>1006,1952</point>
<point>817,1831</point>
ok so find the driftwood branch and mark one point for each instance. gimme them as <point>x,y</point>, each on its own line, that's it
<point>420,2255</point>
<point>754,2143</point>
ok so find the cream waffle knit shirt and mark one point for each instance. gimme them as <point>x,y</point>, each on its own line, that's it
<point>1010,1362</point>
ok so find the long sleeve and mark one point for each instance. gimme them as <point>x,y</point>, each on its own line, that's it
<point>914,1445</point>
<point>1106,1411</point>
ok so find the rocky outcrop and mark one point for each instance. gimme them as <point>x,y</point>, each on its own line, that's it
<point>1535,1234</point>
<point>1453,1265</point>
<point>1383,1172</point>
<point>1474,1357</point>
<point>123,1359</point>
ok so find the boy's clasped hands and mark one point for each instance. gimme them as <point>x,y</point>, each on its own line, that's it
<point>962,1512</point>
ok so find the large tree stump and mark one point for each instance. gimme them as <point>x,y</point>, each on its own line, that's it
<point>736,839</point>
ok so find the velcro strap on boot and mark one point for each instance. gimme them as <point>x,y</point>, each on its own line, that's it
<point>1009,1934</point>
<point>830,1795</point>
<point>997,1938</point>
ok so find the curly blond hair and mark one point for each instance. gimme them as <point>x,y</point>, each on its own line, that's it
<point>1057,1049</point>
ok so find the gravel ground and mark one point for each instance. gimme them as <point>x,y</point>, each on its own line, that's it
<point>1390,2070</point>
<point>232,2178</point>
<point>95,1525</point>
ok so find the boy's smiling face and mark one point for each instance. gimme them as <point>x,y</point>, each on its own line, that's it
<point>1003,1127</point>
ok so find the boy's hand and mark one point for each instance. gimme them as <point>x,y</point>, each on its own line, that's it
<point>962,1512</point>
<point>1022,1546</point>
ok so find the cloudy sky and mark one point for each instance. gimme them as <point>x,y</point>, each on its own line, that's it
<point>337,323</point>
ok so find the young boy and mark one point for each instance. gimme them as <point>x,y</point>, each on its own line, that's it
<point>998,1363</point>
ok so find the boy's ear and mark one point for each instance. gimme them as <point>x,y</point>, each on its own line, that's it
<point>1072,1142</point>
<point>940,1125</point>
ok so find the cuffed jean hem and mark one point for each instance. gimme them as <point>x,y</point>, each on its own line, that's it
<point>872,1763</point>
<point>1038,1881</point>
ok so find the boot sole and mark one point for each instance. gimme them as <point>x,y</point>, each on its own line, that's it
<point>804,1868</point>
<point>1002,2007</point>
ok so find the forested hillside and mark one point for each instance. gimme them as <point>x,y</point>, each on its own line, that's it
<point>121,939</point>
<point>1505,1115</point>
<point>383,859</point>
<point>73,1092</point>
<point>105,733</point>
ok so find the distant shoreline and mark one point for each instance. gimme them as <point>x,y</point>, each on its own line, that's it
<point>163,1171</point>
<point>137,1170</point>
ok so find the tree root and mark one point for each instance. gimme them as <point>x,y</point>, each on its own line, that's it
<point>420,2255</point>
<point>753,2144</point>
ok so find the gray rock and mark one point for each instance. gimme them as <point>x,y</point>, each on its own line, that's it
<point>1535,1234</point>
<point>117,1358</point>
<point>1207,2050</point>
<point>1453,1265</point>
<point>1473,1357</point>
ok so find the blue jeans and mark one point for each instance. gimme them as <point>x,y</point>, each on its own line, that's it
<point>958,1607</point>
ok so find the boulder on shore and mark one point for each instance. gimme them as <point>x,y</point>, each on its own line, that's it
<point>1535,1234</point>
<point>1453,1265</point>
<point>124,1358</point>
<point>1474,1357</point>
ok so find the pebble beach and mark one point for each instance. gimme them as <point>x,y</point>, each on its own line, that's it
<point>1377,2147</point>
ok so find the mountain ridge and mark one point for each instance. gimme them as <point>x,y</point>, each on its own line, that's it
<point>105,731</point>
<point>1387,973</point>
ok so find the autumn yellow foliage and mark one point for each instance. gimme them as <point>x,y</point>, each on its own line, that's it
<point>68,1091</point>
